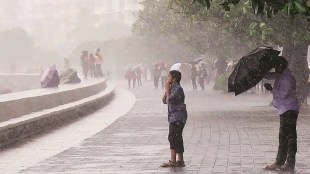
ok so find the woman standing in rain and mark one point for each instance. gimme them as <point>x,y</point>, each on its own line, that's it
<point>177,116</point>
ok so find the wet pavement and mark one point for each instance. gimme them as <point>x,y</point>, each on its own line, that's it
<point>224,134</point>
<point>53,142</point>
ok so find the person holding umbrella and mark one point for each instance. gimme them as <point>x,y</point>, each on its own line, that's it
<point>248,72</point>
<point>285,100</point>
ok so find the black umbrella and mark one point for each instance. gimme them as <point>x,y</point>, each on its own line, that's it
<point>251,69</point>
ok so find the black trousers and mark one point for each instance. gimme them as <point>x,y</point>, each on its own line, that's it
<point>194,83</point>
<point>156,80</point>
<point>287,138</point>
<point>175,136</point>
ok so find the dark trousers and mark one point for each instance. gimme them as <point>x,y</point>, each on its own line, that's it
<point>156,80</point>
<point>194,83</point>
<point>287,138</point>
<point>129,81</point>
<point>202,83</point>
<point>99,72</point>
<point>175,136</point>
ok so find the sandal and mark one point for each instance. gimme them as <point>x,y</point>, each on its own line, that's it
<point>180,164</point>
<point>287,167</point>
<point>272,167</point>
<point>168,164</point>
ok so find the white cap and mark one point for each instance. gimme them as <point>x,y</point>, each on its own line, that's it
<point>176,67</point>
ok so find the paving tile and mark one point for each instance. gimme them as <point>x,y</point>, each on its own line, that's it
<point>239,138</point>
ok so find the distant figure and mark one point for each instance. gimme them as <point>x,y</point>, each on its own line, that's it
<point>50,77</point>
<point>134,78</point>
<point>202,75</point>
<point>194,76</point>
<point>139,76</point>
<point>92,65</point>
<point>69,76</point>
<point>99,61</point>
<point>163,74</point>
<point>129,76</point>
<point>156,75</point>
<point>84,63</point>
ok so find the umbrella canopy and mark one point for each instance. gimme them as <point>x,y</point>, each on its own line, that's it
<point>50,77</point>
<point>251,69</point>
<point>176,67</point>
<point>195,61</point>
<point>137,66</point>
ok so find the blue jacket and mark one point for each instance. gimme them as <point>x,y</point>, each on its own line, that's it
<point>176,106</point>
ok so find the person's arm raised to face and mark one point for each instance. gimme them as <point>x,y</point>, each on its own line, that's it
<point>270,75</point>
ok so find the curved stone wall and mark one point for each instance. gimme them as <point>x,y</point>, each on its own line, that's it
<point>14,105</point>
<point>17,130</point>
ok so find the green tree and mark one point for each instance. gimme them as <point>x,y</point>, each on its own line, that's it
<point>18,48</point>
<point>261,7</point>
<point>232,32</point>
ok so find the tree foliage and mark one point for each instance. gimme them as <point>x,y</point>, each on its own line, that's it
<point>18,48</point>
<point>260,7</point>
<point>233,31</point>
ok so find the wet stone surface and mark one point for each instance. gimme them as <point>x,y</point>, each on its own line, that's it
<point>224,134</point>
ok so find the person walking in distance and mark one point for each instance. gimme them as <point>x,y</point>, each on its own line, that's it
<point>139,76</point>
<point>202,75</point>
<point>128,76</point>
<point>177,116</point>
<point>194,76</point>
<point>92,66</point>
<point>85,63</point>
<point>156,75</point>
<point>285,100</point>
<point>99,61</point>
<point>163,75</point>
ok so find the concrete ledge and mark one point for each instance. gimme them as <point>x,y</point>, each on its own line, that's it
<point>21,103</point>
<point>16,130</point>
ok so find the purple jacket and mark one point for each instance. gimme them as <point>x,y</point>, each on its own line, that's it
<point>284,91</point>
<point>176,106</point>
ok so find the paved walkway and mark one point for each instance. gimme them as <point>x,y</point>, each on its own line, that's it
<point>224,134</point>
<point>52,142</point>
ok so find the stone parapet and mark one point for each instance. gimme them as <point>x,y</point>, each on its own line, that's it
<point>14,105</point>
<point>72,108</point>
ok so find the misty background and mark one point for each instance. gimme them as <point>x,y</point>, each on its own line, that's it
<point>35,34</point>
